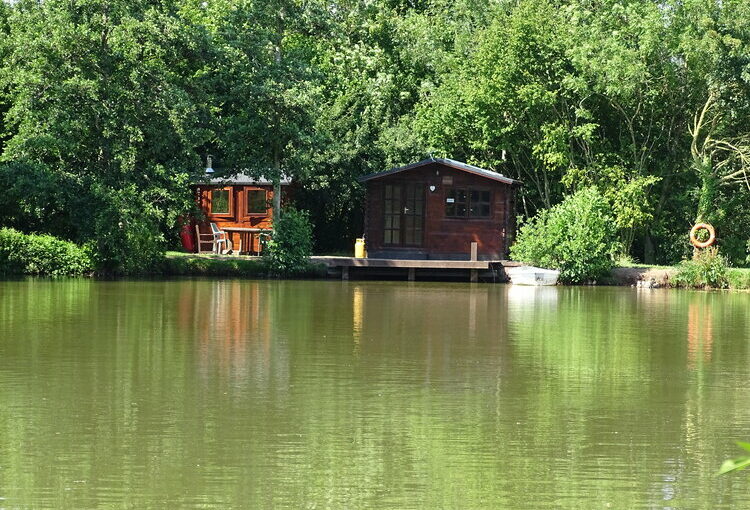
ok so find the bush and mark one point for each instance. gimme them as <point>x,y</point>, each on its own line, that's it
<point>35,254</point>
<point>288,252</point>
<point>739,278</point>
<point>706,269</point>
<point>577,236</point>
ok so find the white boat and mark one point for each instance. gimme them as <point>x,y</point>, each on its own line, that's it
<point>530,275</point>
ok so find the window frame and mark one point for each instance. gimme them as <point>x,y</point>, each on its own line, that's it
<point>230,202</point>
<point>468,190</point>
<point>247,212</point>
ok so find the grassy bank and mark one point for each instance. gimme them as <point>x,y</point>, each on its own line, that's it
<point>666,276</point>
<point>192,264</point>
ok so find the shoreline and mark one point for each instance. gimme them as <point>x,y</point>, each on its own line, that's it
<point>180,264</point>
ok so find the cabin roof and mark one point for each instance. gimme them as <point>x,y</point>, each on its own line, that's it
<point>482,172</point>
<point>242,179</point>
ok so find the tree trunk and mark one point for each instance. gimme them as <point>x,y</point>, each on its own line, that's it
<point>648,250</point>
<point>706,195</point>
<point>708,191</point>
<point>276,185</point>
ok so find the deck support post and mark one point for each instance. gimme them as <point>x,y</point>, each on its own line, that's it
<point>473,252</point>
<point>412,274</point>
<point>344,272</point>
<point>473,275</point>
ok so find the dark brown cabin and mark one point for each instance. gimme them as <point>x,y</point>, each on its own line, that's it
<point>436,208</point>
<point>240,202</point>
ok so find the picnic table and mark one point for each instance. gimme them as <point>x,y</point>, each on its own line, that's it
<point>249,233</point>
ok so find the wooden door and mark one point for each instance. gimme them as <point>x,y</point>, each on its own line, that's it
<point>404,214</point>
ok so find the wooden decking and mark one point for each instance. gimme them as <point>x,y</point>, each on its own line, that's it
<point>431,269</point>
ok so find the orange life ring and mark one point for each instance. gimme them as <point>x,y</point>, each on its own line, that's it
<point>702,244</point>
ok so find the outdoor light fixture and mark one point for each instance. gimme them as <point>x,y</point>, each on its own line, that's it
<point>209,169</point>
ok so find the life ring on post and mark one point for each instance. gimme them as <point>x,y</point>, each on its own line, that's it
<point>702,244</point>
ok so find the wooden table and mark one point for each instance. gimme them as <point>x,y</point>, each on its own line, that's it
<point>246,230</point>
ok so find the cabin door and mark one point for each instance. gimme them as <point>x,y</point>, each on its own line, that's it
<point>404,214</point>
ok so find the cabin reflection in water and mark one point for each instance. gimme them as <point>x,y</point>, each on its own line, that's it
<point>700,334</point>
<point>232,321</point>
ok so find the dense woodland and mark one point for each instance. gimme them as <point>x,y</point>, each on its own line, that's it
<point>109,108</point>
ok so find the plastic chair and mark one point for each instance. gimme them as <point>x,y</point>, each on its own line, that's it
<point>220,237</point>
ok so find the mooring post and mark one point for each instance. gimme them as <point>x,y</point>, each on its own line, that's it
<point>344,272</point>
<point>412,274</point>
<point>474,275</point>
<point>474,252</point>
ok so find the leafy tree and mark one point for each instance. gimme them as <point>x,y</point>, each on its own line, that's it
<point>101,93</point>
<point>265,87</point>
<point>509,107</point>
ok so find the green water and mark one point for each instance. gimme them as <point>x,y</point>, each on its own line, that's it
<point>244,394</point>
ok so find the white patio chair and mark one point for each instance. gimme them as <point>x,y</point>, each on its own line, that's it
<point>220,238</point>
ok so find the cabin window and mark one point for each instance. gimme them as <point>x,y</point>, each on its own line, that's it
<point>220,201</point>
<point>257,202</point>
<point>467,203</point>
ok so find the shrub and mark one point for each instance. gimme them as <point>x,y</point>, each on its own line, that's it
<point>706,269</point>
<point>36,254</point>
<point>288,252</point>
<point>577,236</point>
<point>738,278</point>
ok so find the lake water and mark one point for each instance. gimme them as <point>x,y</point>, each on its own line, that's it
<point>327,394</point>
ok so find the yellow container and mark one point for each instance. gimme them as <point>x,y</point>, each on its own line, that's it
<point>359,248</point>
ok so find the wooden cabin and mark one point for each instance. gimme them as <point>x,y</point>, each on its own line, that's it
<point>436,208</point>
<point>241,205</point>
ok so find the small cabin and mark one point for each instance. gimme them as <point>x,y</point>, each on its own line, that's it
<point>436,208</point>
<point>240,205</point>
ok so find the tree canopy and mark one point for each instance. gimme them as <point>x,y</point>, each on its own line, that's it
<point>109,107</point>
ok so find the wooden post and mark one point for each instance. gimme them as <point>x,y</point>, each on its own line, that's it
<point>474,275</point>
<point>344,272</point>
<point>412,274</point>
<point>473,252</point>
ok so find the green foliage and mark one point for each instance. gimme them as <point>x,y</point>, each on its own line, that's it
<point>707,269</point>
<point>626,191</point>
<point>127,235</point>
<point>178,264</point>
<point>112,103</point>
<point>288,252</point>
<point>577,236</point>
<point>184,264</point>
<point>105,115</point>
<point>35,254</point>
<point>739,279</point>
<point>737,464</point>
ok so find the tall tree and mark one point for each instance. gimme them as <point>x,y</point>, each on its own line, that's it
<point>101,92</point>
<point>265,88</point>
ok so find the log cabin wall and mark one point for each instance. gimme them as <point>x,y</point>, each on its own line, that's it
<point>238,214</point>
<point>443,237</point>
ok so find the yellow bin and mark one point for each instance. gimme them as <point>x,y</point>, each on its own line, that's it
<point>359,248</point>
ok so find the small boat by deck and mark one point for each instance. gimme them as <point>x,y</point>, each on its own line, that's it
<point>530,275</point>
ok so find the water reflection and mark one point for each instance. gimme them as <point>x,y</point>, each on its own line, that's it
<point>368,394</point>
<point>700,334</point>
